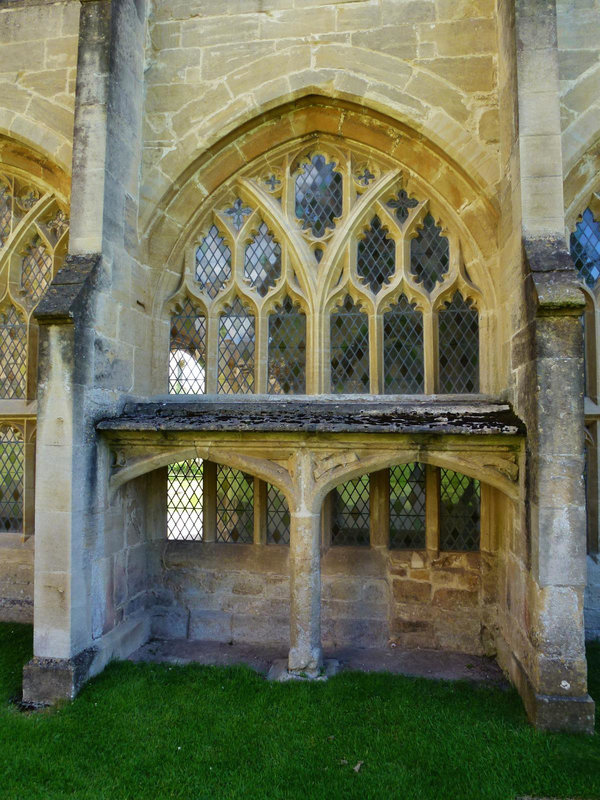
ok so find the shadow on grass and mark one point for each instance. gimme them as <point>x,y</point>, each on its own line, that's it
<point>159,731</point>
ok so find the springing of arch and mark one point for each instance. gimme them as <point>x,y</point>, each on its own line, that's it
<point>337,233</point>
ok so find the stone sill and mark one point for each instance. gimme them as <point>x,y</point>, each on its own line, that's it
<point>15,541</point>
<point>434,414</point>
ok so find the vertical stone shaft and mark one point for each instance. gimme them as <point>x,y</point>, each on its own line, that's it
<point>305,593</point>
<point>305,573</point>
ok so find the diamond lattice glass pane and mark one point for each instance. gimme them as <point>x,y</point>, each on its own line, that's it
<point>187,360</point>
<point>401,205</point>
<point>351,518</point>
<point>184,500</point>
<point>403,370</point>
<point>36,270</point>
<point>407,506</point>
<point>459,347</point>
<point>213,263</point>
<point>429,254</point>
<point>585,248</point>
<point>235,506</point>
<point>278,517</point>
<point>459,511</point>
<point>11,479</point>
<point>262,262</point>
<point>5,212</point>
<point>318,195</point>
<point>349,350</point>
<point>236,350</point>
<point>376,260</point>
<point>287,350</point>
<point>13,353</point>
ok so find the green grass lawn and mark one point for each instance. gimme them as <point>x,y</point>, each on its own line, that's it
<point>154,731</point>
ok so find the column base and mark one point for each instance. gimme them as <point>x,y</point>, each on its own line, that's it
<point>48,680</point>
<point>281,673</point>
<point>558,713</point>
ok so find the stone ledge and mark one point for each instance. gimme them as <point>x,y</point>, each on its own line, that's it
<point>325,414</point>
<point>68,291</point>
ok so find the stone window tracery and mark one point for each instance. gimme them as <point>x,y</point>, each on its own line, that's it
<point>371,264</point>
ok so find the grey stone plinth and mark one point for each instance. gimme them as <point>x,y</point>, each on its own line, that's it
<point>558,713</point>
<point>48,680</point>
<point>279,672</point>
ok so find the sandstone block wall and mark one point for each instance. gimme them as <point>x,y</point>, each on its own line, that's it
<point>369,597</point>
<point>16,578</point>
<point>38,60</point>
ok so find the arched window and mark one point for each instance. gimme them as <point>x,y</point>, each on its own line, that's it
<point>585,248</point>
<point>185,500</point>
<point>236,350</point>
<point>321,269</point>
<point>187,362</point>
<point>349,346</point>
<point>13,353</point>
<point>235,506</point>
<point>287,349</point>
<point>459,346</point>
<point>12,464</point>
<point>33,244</point>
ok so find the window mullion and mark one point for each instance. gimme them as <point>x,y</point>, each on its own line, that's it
<point>379,503</point>
<point>261,354</point>
<point>432,510</point>
<point>212,353</point>
<point>209,501</point>
<point>376,353</point>
<point>430,351</point>
<point>260,511</point>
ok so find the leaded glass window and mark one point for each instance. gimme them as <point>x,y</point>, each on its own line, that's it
<point>187,364</point>
<point>278,517</point>
<point>459,511</point>
<point>403,370</point>
<point>376,256</point>
<point>319,195</point>
<point>585,248</point>
<point>287,349</point>
<point>236,350</point>
<point>185,500</point>
<point>235,506</point>
<point>351,515</point>
<point>262,265</point>
<point>349,343</point>
<point>11,479</point>
<point>429,254</point>
<point>13,353</point>
<point>213,263</point>
<point>407,506</point>
<point>36,270</point>
<point>360,253</point>
<point>459,346</point>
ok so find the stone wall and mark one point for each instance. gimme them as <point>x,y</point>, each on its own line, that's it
<point>38,61</point>
<point>370,597</point>
<point>212,66</point>
<point>16,578</point>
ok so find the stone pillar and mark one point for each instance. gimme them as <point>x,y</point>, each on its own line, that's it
<point>85,556</point>
<point>305,593</point>
<point>543,617</point>
<point>305,654</point>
